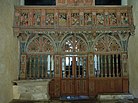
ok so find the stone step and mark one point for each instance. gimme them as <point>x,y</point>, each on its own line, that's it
<point>114,96</point>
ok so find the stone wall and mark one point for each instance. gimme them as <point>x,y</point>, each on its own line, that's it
<point>8,50</point>
<point>133,53</point>
<point>31,89</point>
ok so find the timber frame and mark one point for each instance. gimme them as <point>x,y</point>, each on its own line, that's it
<point>99,30</point>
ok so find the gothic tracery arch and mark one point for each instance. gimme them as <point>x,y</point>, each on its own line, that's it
<point>40,44</point>
<point>106,43</point>
<point>74,43</point>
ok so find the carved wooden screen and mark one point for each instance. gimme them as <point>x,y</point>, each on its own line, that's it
<point>97,35</point>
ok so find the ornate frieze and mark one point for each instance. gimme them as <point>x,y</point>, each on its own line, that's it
<point>94,18</point>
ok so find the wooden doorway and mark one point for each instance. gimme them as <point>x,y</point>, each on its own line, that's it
<point>74,76</point>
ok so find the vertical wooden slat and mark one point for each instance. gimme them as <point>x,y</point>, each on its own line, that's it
<point>38,75</point>
<point>30,67</point>
<point>65,66</point>
<point>78,66</point>
<point>42,67</point>
<point>46,66</point>
<point>100,60</point>
<point>102,65</point>
<point>117,73</point>
<point>103,59</point>
<point>50,67</point>
<point>97,70</point>
<point>113,66</point>
<point>109,65</point>
<point>105,65</point>
<point>34,68</point>
<point>69,67</point>
<point>83,66</point>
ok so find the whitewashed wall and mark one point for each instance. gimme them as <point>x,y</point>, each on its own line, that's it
<point>8,50</point>
<point>133,52</point>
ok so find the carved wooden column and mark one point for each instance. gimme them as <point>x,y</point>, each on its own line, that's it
<point>124,65</point>
<point>23,66</point>
<point>125,72</point>
<point>91,65</point>
<point>91,74</point>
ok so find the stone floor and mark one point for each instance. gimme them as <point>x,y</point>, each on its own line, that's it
<point>76,101</point>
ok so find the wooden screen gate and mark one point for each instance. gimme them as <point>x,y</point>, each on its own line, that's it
<point>74,76</point>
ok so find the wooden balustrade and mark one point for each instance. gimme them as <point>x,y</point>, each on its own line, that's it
<point>107,65</point>
<point>39,67</point>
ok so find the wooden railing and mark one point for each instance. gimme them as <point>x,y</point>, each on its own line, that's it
<point>107,65</point>
<point>76,17</point>
<point>39,66</point>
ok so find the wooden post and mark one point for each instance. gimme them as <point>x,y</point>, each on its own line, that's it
<point>124,65</point>
<point>91,65</point>
<point>23,66</point>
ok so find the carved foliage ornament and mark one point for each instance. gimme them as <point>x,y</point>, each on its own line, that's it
<point>107,44</point>
<point>40,44</point>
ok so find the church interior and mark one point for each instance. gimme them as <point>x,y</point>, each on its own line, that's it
<point>68,51</point>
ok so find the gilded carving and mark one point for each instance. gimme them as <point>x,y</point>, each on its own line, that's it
<point>49,19</point>
<point>75,19</point>
<point>62,19</point>
<point>124,18</point>
<point>112,19</point>
<point>88,18</point>
<point>99,18</point>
